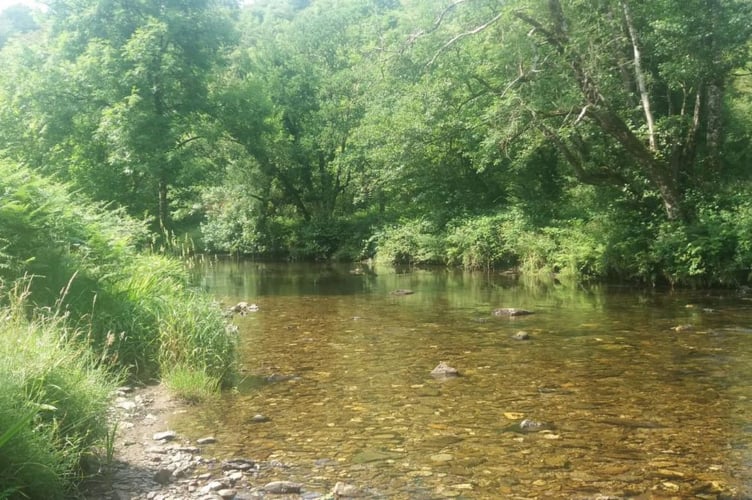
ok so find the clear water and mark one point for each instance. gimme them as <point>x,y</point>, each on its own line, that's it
<point>636,407</point>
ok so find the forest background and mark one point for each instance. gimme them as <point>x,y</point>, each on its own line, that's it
<point>597,140</point>
<point>602,140</point>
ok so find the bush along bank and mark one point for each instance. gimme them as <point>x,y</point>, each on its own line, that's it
<point>99,308</point>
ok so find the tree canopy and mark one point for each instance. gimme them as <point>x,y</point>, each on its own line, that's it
<point>605,139</point>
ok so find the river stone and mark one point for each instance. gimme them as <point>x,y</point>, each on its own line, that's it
<point>442,457</point>
<point>206,440</point>
<point>344,490</point>
<point>227,493</point>
<point>213,486</point>
<point>530,425</point>
<point>282,487</point>
<point>521,335</point>
<point>372,455</point>
<point>441,441</point>
<point>127,405</point>
<point>165,436</point>
<point>259,418</point>
<point>555,462</point>
<point>511,311</point>
<point>238,464</point>
<point>443,370</point>
<point>163,475</point>
<point>420,473</point>
<point>403,291</point>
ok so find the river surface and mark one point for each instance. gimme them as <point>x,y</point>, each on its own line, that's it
<point>341,366</point>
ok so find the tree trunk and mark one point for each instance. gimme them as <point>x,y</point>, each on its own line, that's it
<point>164,206</point>
<point>640,78</point>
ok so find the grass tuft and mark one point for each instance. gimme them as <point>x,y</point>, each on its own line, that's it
<point>53,403</point>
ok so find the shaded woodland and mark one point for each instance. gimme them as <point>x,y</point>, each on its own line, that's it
<point>605,140</point>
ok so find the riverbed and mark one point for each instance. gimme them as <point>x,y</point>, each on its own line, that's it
<point>642,392</point>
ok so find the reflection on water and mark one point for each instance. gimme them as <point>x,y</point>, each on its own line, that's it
<point>342,368</point>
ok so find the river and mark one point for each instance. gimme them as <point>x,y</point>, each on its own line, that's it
<point>340,365</point>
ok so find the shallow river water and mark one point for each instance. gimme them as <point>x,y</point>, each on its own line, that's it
<point>341,367</point>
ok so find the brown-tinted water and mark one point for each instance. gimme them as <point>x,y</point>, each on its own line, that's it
<point>341,367</point>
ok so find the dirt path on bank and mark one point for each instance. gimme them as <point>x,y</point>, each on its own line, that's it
<point>151,462</point>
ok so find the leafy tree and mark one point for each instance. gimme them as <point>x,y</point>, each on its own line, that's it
<point>123,96</point>
<point>291,99</point>
<point>630,94</point>
<point>16,20</point>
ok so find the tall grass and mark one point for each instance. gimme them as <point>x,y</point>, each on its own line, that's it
<point>53,402</point>
<point>137,309</point>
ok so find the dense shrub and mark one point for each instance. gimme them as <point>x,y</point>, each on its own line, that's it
<point>412,242</point>
<point>478,243</point>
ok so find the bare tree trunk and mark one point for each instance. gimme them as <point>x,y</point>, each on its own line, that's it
<point>164,206</point>
<point>640,77</point>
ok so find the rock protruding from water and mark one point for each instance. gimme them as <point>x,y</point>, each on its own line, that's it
<point>403,291</point>
<point>443,370</point>
<point>521,335</point>
<point>283,487</point>
<point>511,311</point>
<point>530,425</point>
<point>243,308</point>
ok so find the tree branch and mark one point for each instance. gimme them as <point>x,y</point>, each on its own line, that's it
<point>473,31</point>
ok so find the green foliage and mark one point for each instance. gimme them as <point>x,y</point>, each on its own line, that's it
<point>479,243</point>
<point>413,242</point>
<point>480,133</point>
<point>53,402</point>
<point>138,310</point>
<point>191,384</point>
<point>716,248</point>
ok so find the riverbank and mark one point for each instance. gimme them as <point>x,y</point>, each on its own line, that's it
<point>152,462</point>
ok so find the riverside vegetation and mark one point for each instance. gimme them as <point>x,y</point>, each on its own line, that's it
<point>588,140</point>
<point>599,141</point>
<point>82,310</point>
